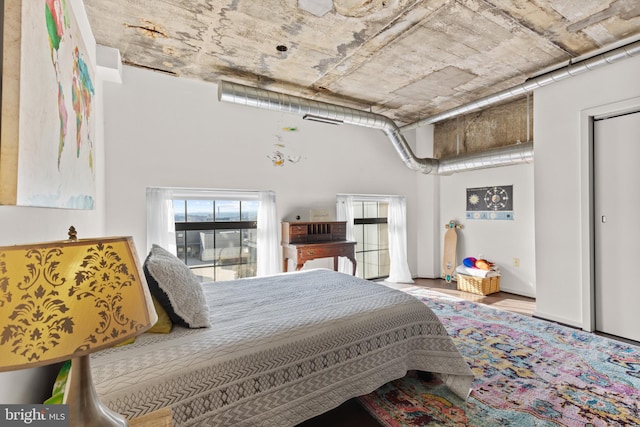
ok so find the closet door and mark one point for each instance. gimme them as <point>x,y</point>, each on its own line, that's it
<point>617,225</point>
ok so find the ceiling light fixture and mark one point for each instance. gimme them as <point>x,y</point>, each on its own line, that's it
<point>322,119</point>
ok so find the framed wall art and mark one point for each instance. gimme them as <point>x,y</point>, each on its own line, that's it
<point>490,203</point>
<point>47,128</point>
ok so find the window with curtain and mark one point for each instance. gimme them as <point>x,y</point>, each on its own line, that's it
<point>220,235</point>
<point>371,233</point>
<point>378,225</point>
<point>217,238</point>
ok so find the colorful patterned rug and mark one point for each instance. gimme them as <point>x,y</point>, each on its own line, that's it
<point>529,372</point>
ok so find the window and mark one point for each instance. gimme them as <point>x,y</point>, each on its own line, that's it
<point>378,224</point>
<point>217,238</point>
<point>372,239</point>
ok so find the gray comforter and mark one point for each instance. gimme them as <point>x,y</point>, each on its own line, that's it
<point>281,349</point>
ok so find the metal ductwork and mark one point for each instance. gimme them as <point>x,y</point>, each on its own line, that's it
<point>572,70</point>
<point>503,156</point>
<point>329,113</point>
<point>335,114</point>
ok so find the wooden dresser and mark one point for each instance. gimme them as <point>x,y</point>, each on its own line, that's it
<point>304,241</point>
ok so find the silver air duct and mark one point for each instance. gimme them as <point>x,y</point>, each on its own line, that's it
<point>573,69</point>
<point>503,156</point>
<point>328,113</point>
<point>335,114</point>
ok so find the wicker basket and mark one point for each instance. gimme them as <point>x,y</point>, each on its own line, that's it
<point>478,285</point>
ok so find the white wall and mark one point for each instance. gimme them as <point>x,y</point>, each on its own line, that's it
<point>428,250</point>
<point>166,131</point>
<point>442,198</point>
<point>29,225</point>
<point>561,184</point>
<point>497,241</point>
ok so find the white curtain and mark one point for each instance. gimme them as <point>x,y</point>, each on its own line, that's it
<point>344,212</point>
<point>161,228</point>
<point>161,224</point>
<point>267,238</point>
<point>397,225</point>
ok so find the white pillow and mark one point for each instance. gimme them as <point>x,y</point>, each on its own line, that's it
<point>176,288</point>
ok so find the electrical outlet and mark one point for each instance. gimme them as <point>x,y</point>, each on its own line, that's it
<point>516,262</point>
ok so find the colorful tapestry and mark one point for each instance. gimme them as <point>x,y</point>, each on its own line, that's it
<point>529,372</point>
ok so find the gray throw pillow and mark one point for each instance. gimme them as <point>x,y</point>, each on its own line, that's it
<point>176,288</point>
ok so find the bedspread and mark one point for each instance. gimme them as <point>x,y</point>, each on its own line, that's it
<point>281,349</point>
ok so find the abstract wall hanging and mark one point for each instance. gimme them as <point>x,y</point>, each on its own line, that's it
<point>285,151</point>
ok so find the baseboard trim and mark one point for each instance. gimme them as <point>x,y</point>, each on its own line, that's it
<point>555,319</point>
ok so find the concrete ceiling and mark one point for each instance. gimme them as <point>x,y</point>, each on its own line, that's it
<point>405,59</point>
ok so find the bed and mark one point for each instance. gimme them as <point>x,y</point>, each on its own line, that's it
<point>280,350</point>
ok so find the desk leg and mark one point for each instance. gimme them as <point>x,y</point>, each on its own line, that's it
<point>353,261</point>
<point>350,258</point>
<point>285,264</point>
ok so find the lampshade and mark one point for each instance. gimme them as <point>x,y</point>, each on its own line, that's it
<point>64,300</point>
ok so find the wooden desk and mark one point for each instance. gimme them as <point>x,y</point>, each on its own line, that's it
<point>304,241</point>
<point>300,253</point>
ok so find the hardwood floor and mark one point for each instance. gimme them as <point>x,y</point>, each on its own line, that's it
<point>502,300</point>
<point>351,414</point>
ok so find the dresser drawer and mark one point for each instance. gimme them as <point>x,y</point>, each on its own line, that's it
<point>324,251</point>
<point>300,253</point>
<point>313,232</point>
<point>294,233</point>
<point>297,229</point>
<point>297,234</point>
<point>339,231</point>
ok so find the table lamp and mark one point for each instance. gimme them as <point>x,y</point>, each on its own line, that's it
<point>65,300</point>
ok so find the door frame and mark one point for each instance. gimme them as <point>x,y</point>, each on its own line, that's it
<point>587,220</point>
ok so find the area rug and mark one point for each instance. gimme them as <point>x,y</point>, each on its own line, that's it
<point>529,372</point>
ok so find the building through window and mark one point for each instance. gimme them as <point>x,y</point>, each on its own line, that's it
<point>216,238</point>
<point>371,234</point>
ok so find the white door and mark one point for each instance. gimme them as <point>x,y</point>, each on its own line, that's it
<point>617,225</point>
